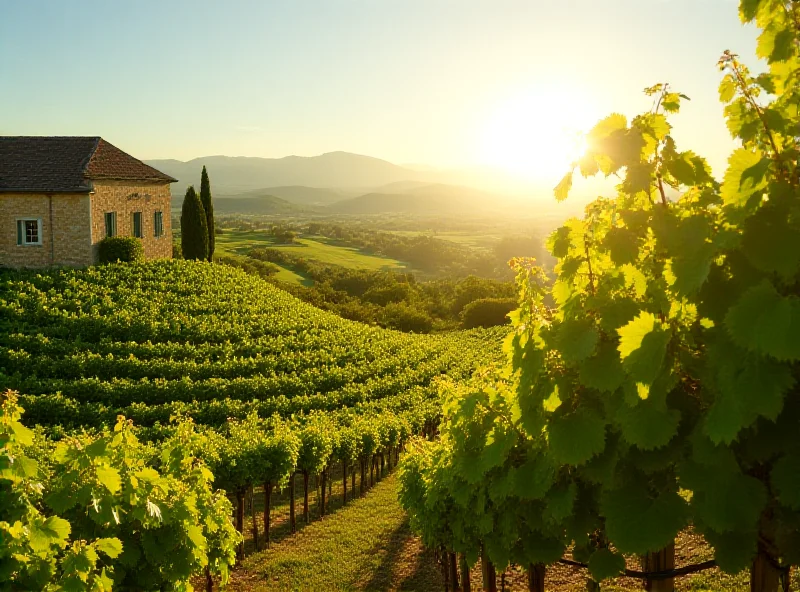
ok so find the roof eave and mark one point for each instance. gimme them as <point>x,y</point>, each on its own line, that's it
<point>44,191</point>
<point>165,179</point>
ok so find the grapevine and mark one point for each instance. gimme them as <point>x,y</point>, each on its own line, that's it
<point>661,389</point>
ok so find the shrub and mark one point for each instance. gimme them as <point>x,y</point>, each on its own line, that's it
<point>405,318</point>
<point>120,248</point>
<point>487,312</point>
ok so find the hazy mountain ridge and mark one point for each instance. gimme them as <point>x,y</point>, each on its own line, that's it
<point>232,175</point>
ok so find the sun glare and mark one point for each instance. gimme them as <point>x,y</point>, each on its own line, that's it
<point>536,134</point>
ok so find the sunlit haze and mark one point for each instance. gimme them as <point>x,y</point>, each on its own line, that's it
<point>443,83</point>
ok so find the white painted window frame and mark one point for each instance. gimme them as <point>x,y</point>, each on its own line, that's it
<point>21,238</point>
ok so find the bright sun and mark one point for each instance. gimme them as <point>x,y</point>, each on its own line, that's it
<point>536,134</point>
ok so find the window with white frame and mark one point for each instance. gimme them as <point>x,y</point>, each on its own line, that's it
<point>29,231</point>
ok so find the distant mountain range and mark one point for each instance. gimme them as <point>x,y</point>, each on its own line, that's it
<point>345,183</point>
<point>232,175</point>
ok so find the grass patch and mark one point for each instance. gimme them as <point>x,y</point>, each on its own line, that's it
<point>365,546</point>
<point>238,242</point>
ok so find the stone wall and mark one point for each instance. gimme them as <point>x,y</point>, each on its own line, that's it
<point>66,238</point>
<point>73,224</point>
<point>125,198</point>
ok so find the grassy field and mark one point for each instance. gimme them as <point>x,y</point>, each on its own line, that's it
<point>316,248</point>
<point>238,242</point>
<point>367,545</point>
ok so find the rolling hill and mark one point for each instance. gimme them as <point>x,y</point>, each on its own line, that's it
<point>416,198</point>
<point>234,175</point>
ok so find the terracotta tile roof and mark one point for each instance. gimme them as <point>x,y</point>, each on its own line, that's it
<point>36,164</point>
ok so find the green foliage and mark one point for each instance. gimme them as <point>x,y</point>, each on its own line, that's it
<point>487,312</point>
<point>669,361</point>
<point>126,249</point>
<point>194,227</point>
<point>208,208</point>
<point>103,489</point>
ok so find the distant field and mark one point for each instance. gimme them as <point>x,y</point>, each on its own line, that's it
<point>238,242</point>
<point>469,238</point>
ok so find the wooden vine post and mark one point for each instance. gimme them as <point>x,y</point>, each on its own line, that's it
<point>488,572</point>
<point>240,519</point>
<point>292,516</point>
<point>253,516</point>
<point>209,580</point>
<point>344,483</point>
<point>466,584</point>
<point>662,560</point>
<point>536,575</point>
<point>766,575</point>
<point>324,491</point>
<point>306,517</point>
<point>267,510</point>
<point>452,564</point>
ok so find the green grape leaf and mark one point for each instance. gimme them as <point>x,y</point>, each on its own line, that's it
<point>109,546</point>
<point>498,444</point>
<point>604,128</point>
<point>746,175</point>
<point>604,564</point>
<point>747,387</point>
<point>682,169</point>
<point>748,9</point>
<point>618,313</point>
<point>649,424</point>
<point>539,548</point>
<point>109,478</point>
<point>560,501</point>
<point>564,186</point>
<point>637,522</point>
<point>785,478</point>
<point>733,551</point>
<point>642,346</point>
<point>622,245</point>
<point>603,371</point>
<point>559,241</point>
<point>576,340</point>
<point>775,44</point>
<point>577,437</point>
<point>712,483</point>
<point>727,89</point>
<point>52,531</point>
<point>763,321</point>
<point>771,243</point>
<point>533,479</point>
<point>687,274</point>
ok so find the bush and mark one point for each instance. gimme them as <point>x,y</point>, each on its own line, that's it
<point>487,312</point>
<point>120,248</point>
<point>405,318</point>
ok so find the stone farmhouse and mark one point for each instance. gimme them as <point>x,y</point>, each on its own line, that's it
<point>60,196</point>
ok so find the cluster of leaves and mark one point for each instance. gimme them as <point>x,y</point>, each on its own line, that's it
<point>96,512</point>
<point>669,362</point>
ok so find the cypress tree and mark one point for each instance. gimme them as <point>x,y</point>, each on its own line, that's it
<point>194,229</point>
<point>205,198</point>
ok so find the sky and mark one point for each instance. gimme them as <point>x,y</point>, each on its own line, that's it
<point>444,83</point>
